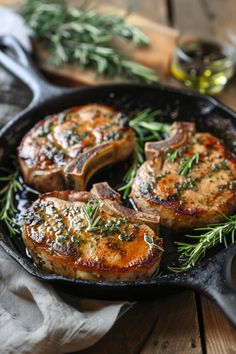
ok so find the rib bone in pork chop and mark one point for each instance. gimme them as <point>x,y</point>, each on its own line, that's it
<point>189,179</point>
<point>91,235</point>
<point>64,150</point>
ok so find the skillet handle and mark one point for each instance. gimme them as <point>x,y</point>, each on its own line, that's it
<point>15,59</point>
<point>213,278</point>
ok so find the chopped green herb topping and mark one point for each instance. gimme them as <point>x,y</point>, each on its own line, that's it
<point>173,155</point>
<point>126,237</point>
<point>188,183</point>
<point>220,166</point>
<point>73,136</point>
<point>188,163</point>
<point>45,129</point>
<point>151,243</point>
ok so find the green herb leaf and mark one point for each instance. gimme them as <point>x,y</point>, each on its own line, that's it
<point>90,211</point>
<point>172,156</point>
<point>147,129</point>
<point>212,235</point>
<point>188,164</point>
<point>151,242</point>
<point>138,159</point>
<point>10,187</point>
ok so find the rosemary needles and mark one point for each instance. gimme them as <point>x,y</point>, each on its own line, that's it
<point>147,129</point>
<point>138,159</point>
<point>188,163</point>
<point>10,185</point>
<point>82,35</point>
<point>212,235</point>
<point>90,211</point>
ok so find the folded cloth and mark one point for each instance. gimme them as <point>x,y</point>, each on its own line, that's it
<point>36,319</point>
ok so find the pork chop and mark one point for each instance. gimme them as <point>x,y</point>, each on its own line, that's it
<point>189,179</point>
<point>64,150</point>
<point>90,235</point>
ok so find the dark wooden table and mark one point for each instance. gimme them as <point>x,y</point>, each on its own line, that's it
<point>185,322</point>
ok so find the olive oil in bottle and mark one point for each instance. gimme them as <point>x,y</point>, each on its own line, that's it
<point>202,64</point>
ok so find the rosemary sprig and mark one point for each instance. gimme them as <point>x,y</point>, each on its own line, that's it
<point>96,225</point>
<point>90,211</point>
<point>82,35</point>
<point>188,164</point>
<point>138,159</point>
<point>146,129</point>
<point>145,122</point>
<point>213,235</point>
<point>11,185</point>
<point>172,156</point>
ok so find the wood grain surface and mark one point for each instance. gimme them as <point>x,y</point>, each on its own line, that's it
<point>176,329</point>
<point>130,332</point>
<point>220,336</point>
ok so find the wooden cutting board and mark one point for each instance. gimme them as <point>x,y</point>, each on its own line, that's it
<point>156,56</point>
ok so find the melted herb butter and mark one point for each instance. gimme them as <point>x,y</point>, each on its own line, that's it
<point>220,166</point>
<point>173,155</point>
<point>127,237</point>
<point>146,187</point>
<point>106,228</point>
<point>51,152</point>
<point>73,136</point>
<point>35,214</point>
<point>76,240</point>
<point>122,119</point>
<point>54,224</point>
<point>230,185</point>
<point>112,136</point>
<point>45,129</point>
<point>188,183</point>
<point>62,117</point>
<point>32,219</point>
<point>110,227</point>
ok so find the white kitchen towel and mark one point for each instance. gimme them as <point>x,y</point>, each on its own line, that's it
<point>36,319</point>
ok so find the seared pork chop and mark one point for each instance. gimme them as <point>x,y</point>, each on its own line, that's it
<point>189,179</point>
<point>64,150</point>
<point>92,236</point>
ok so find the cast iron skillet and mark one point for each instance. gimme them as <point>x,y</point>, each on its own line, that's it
<point>211,277</point>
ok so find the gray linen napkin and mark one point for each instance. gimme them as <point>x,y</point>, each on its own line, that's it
<point>33,317</point>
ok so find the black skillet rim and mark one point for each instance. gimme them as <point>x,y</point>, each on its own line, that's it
<point>160,280</point>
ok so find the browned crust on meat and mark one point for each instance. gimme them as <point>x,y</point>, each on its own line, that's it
<point>180,132</point>
<point>96,257</point>
<point>97,269</point>
<point>111,200</point>
<point>66,149</point>
<point>196,199</point>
